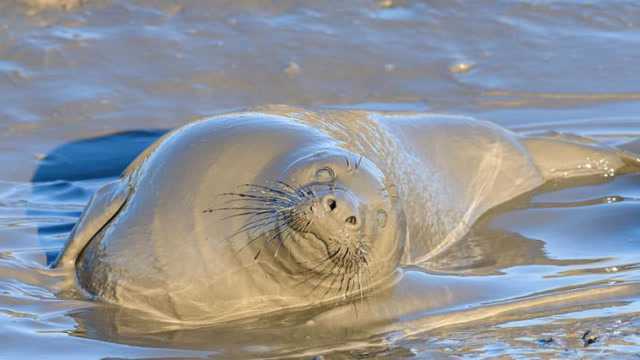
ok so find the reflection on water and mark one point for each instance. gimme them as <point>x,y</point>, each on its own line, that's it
<point>79,82</point>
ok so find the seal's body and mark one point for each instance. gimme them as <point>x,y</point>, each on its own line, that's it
<point>250,213</point>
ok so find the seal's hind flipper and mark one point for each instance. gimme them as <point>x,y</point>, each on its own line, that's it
<point>559,155</point>
<point>102,207</point>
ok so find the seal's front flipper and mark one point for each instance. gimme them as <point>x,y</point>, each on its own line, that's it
<point>102,207</point>
<point>560,155</point>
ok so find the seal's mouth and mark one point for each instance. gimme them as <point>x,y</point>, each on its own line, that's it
<point>310,237</point>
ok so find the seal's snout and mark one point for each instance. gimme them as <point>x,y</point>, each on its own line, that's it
<point>341,208</point>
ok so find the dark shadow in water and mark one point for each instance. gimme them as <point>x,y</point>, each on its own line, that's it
<point>93,158</point>
<point>98,157</point>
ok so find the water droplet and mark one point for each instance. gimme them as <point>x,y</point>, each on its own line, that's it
<point>386,4</point>
<point>461,67</point>
<point>293,69</point>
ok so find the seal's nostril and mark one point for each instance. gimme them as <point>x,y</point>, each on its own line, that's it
<point>351,220</point>
<point>332,204</point>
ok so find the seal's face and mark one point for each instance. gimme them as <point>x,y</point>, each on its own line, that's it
<point>330,219</point>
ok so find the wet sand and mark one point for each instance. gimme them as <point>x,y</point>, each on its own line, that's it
<point>87,85</point>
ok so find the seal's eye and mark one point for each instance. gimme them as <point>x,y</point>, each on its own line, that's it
<point>325,175</point>
<point>381,218</point>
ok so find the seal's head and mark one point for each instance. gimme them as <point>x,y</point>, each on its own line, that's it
<point>332,219</point>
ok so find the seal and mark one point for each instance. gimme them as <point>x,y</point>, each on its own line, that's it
<point>251,213</point>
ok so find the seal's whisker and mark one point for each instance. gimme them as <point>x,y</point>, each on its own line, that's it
<point>359,162</point>
<point>245,211</point>
<point>348,272</point>
<point>327,274</point>
<point>242,208</point>
<point>248,213</point>
<point>262,200</point>
<point>306,226</point>
<point>262,188</point>
<point>276,232</point>
<point>343,275</point>
<point>250,226</point>
<point>260,195</point>
<point>328,258</point>
<point>250,195</point>
<point>311,271</point>
<point>360,290</point>
<point>366,268</point>
<point>297,223</point>
<point>282,235</point>
<point>351,273</point>
<point>323,277</point>
<point>321,266</point>
<point>318,270</point>
<point>258,220</point>
<point>251,241</point>
<point>297,191</point>
<point>323,261</point>
<point>335,278</point>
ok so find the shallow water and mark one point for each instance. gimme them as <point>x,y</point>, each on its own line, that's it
<point>86,86</point>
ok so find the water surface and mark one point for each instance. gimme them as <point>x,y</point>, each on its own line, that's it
<point>87,85</point>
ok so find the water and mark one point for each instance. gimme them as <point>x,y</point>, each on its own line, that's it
<point>87,85</point>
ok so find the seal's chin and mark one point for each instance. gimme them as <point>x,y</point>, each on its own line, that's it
<point>307,250</point>
<point>339,267</point>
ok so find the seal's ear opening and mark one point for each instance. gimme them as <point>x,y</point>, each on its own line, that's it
<point>103,206</point>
